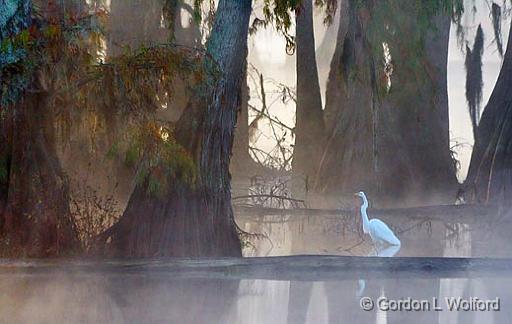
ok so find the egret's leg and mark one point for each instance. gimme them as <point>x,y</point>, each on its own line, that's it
<point>375,247</point>
<point>378,247</point>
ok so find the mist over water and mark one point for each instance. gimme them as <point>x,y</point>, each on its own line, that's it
<point>73,295</point>
<point>139,298</point>
<point>342,235</point>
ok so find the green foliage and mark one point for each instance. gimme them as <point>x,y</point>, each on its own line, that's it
<point>113,151</point>
<point>63,59</point>
<point>159,160</point>
<point>132,155</point>
<point>197,11</point>
<point>14,36</point>
<point>68,56</point>
<point>330,9</point>
<point>279,14</point>
<point>43,45</point>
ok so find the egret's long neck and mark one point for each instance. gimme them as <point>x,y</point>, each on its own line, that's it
<point>364,216</point>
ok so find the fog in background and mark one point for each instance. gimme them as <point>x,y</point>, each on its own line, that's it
<point>267,53</point>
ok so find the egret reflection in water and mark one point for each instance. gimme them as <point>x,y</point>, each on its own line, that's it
<point>388,252</point>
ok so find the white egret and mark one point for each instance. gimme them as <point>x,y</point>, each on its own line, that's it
<point>379,232</point>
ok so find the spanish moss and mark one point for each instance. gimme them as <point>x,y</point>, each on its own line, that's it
<point>474,81</point>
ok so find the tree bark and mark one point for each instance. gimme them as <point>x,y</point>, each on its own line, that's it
<point>347,159</point>
<point>37,221</point>
<point>197,220</point>
<point>415,164</point>
<point>242,165</point>
<point>393,143</point>
<point>34,212</point>
<point>309,125</point>
<point>490,177</point>
<point>15,16</point>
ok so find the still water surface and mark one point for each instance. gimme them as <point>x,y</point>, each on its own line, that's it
<point>77,297</point>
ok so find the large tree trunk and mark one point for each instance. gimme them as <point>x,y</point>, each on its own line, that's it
<point>347,163</point>
<point>490,177</point>
<point>5,158</point>
<point>392,143</point>
<point>14,19</point>
<point>309,126</point>
<point>34,205</point>
<point>37,221</point>
<point>242,165</point>
<point>415,165</point>
<point>197,220</point>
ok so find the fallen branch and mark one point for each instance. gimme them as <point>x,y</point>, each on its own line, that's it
<point>446,213</point>
<point>299,268</point>
<point>267,196</point>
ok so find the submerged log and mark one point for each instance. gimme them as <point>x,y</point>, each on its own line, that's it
<point>446,213</point>
<point>300,268</point>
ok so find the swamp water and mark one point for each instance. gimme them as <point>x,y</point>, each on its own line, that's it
<point>79,296</point>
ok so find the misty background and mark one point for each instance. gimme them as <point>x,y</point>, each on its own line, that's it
<point>267,52</point>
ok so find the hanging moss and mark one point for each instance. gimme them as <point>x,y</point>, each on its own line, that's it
<point>474,80</point>
<point>496,24</point>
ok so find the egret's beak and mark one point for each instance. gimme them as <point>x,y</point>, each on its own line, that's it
<point>356,194</point>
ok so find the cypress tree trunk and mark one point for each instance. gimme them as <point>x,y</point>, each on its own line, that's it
<point>347,158</point>
<point>242,165</point>
<point>490,177</point>
<point>37,221</point>
<point>309,124</point>
<point>14,17</point>
<point>34,207</point>
<point>415,165</point>
<point>5,158</point>
<point>196,220</point>
<point>393,143</point>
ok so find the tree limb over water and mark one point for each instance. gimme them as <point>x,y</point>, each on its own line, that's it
<point>299,268</point>
<point>446,213</point>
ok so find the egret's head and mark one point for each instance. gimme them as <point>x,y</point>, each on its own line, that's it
<point>361,197</point>
<point>360,194</point>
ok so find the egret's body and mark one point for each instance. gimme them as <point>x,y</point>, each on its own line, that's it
<point>381,235</point>
<point>379,232</point>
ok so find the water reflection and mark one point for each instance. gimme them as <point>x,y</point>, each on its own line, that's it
<point>292,235</point>
<point>338,302</point>
<point>158,298</point>
<point>386,252</point>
